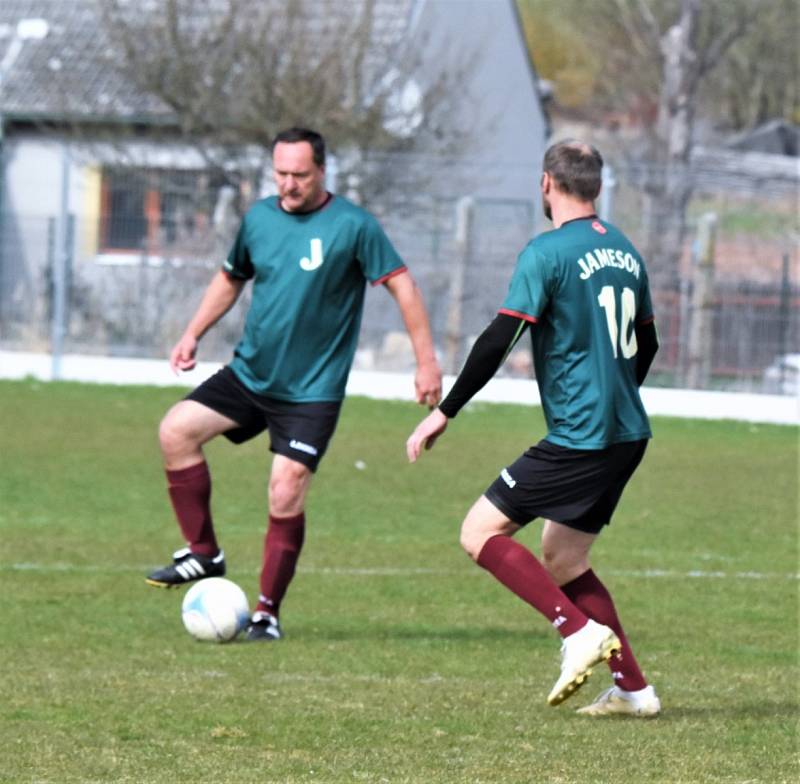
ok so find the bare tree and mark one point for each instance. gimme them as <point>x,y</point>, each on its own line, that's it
<point>656,62</point>
<point>689,49</point>
<point>230,73</point>
<point>759,78</point>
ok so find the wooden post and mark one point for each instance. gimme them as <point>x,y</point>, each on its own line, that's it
<point>698,369</point>
<point>453,337</point>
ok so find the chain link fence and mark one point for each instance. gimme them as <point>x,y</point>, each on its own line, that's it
<point>729,323</point>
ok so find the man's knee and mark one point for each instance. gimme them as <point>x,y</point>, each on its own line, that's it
<point>553,560</point>
<point>483,522</point>
<point>187,426</point>
<point>287,488</point>
<point>173,434</point>
<point>472,540</point>
<point>564,565</point>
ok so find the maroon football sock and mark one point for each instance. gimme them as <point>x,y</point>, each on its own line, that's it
<point>282,546</point>
<point>591,596</point>
<point>519,570</point>
<point>190,493</point>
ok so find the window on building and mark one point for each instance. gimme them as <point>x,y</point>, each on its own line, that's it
<point>156,211</point>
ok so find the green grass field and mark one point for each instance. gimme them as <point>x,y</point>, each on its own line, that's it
<point>402,662</point>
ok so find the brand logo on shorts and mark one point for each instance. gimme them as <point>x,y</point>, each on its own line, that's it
<point>310,264</point>
<point>507,478</point>
<point>301,447</point>
<point>559,620</point>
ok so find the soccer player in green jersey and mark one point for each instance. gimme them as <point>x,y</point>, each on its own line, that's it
<point>309,254</point>
<point>582,290</point>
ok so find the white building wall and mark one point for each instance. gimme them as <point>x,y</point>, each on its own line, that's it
<point>34,170</point>
<point>500,108</point>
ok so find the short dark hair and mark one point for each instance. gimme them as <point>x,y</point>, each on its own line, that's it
<point>294,135</point>
<point>576,167</point>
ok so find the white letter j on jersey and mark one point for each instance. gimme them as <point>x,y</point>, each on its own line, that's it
<point>316,256</point>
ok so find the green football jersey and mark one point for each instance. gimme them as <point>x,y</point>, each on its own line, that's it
<point>309,272</point>
<point>584,286</point>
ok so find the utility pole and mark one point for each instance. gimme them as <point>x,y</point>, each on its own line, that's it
<point>61,263</point>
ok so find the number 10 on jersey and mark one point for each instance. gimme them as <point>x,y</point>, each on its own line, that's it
<point>621,334</point>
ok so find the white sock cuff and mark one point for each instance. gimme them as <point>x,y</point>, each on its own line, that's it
<point>646,691</point>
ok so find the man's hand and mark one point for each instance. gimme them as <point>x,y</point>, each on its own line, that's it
<point>183,355</point>
<point>218,299</point>
<point>428,384</point>
<point>426,434</point>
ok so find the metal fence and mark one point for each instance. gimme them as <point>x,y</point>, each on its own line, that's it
<point>462,252</point>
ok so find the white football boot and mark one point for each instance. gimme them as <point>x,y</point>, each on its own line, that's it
<point>579,653</point>
<point>616,702</point>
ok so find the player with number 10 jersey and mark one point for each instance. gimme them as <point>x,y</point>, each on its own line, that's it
<point>582,291</point>
<point>585,288</point>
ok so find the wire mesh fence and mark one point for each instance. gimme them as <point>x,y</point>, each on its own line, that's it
<point>135,300</point>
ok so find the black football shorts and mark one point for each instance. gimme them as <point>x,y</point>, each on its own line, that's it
<point>576,487</point>
<point>300,431</point>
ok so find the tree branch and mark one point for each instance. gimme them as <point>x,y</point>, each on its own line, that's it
<point>716,50</point>
<point>650,21</point>
<point>643,37</point>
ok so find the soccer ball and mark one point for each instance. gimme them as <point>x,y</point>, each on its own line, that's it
<point>215,610</point>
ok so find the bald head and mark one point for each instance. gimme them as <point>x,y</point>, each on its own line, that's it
<point>576,169</point>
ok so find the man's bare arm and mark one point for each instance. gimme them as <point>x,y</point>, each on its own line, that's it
<point>428,379</point>
<point>219,297</point>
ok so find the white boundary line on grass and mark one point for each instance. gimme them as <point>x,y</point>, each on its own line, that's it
<point>416,572</point>
<point>689,403</point>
